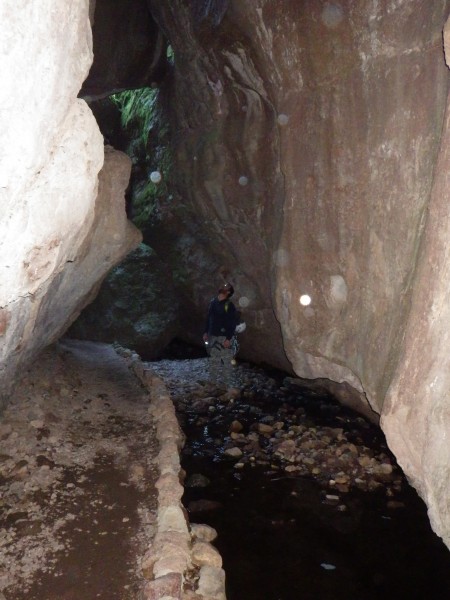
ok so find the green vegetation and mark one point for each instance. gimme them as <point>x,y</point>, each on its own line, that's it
<point>170,54</point>
<point>138,113</point>
<point>146,129</point>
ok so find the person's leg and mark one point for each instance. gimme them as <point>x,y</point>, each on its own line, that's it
<point>221,367</point>
<point>228,370</point>
<point>215,349</point>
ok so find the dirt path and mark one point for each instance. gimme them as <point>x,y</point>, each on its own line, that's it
<point>77,497</point>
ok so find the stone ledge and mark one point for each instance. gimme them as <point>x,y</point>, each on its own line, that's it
<point>179,552</point>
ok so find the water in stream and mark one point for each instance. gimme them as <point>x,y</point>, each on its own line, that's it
<point>313,527</point>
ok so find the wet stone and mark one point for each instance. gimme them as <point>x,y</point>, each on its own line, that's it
<point>204,554</point>
<point>233,452</point>
<point>202,532</point>
<point>284,435</point>
<point>197,480</point>
<point>166,586</point>
<point>282,431</point>
<point>236,427</point>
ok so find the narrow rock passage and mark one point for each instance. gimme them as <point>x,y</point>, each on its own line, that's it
<point>76,479</point>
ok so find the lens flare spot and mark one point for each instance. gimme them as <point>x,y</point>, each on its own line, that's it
<point>305,300</point>
<point>332,15</point>
<point>155,176</point>
<point>243,301</point>
<point>282,119</point>
<point>243,180</point>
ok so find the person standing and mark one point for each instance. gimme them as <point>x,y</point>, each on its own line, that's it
<point>219,331</point>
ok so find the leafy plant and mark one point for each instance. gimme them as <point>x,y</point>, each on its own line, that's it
<point>170,54</point>
<point>138,112</point>
<point>146,128</point>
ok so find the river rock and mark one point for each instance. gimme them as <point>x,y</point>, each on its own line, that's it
<point>279,425</point>
<point>212,583</point>
<point>292,468</point>
<point>332,498</point>
<point>203,533</point>
<point>342,478</point>
<point>384,469</point>
<point>197,480</point>
<point>265,429</point>
<point>286,449</point>
<point>166,586</point>
<point>172,518</point>
<point>236,427</point>
<point>204,554</point>
<point>202,405</point>
<point>233,452</point>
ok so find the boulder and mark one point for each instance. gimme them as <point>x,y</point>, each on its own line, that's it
<point>61,229</point>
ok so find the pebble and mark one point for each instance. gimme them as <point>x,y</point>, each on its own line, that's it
<point>332,498</point>
<point>265,429</point>
<point>204,553</point>
<point>236,427</point>
<point>328,566</point>
<point>197,480</point>
<point>233,452</point>
<point>204,533</point>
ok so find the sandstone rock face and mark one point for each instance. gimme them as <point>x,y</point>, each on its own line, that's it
<point>416,415</point>
<point>308,138</point>
<point>355,202</point>
<point>226,149</point>
<point>52,251</point>
<point>309,158</point>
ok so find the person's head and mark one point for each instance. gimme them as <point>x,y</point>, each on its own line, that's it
<point>225,291</point>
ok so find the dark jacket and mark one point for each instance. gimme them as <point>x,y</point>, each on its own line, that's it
<point>221,320</point>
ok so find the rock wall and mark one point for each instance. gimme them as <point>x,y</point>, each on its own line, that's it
<point>416,415</point>
<point>60,231</point>
<point>308,142</point>
<point>226,146</point>
<point>355,202</point>
<point>306,139</point>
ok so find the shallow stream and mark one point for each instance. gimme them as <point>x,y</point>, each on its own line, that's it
<point>288,526</point>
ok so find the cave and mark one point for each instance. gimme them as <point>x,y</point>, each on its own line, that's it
<point>295,148</point>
